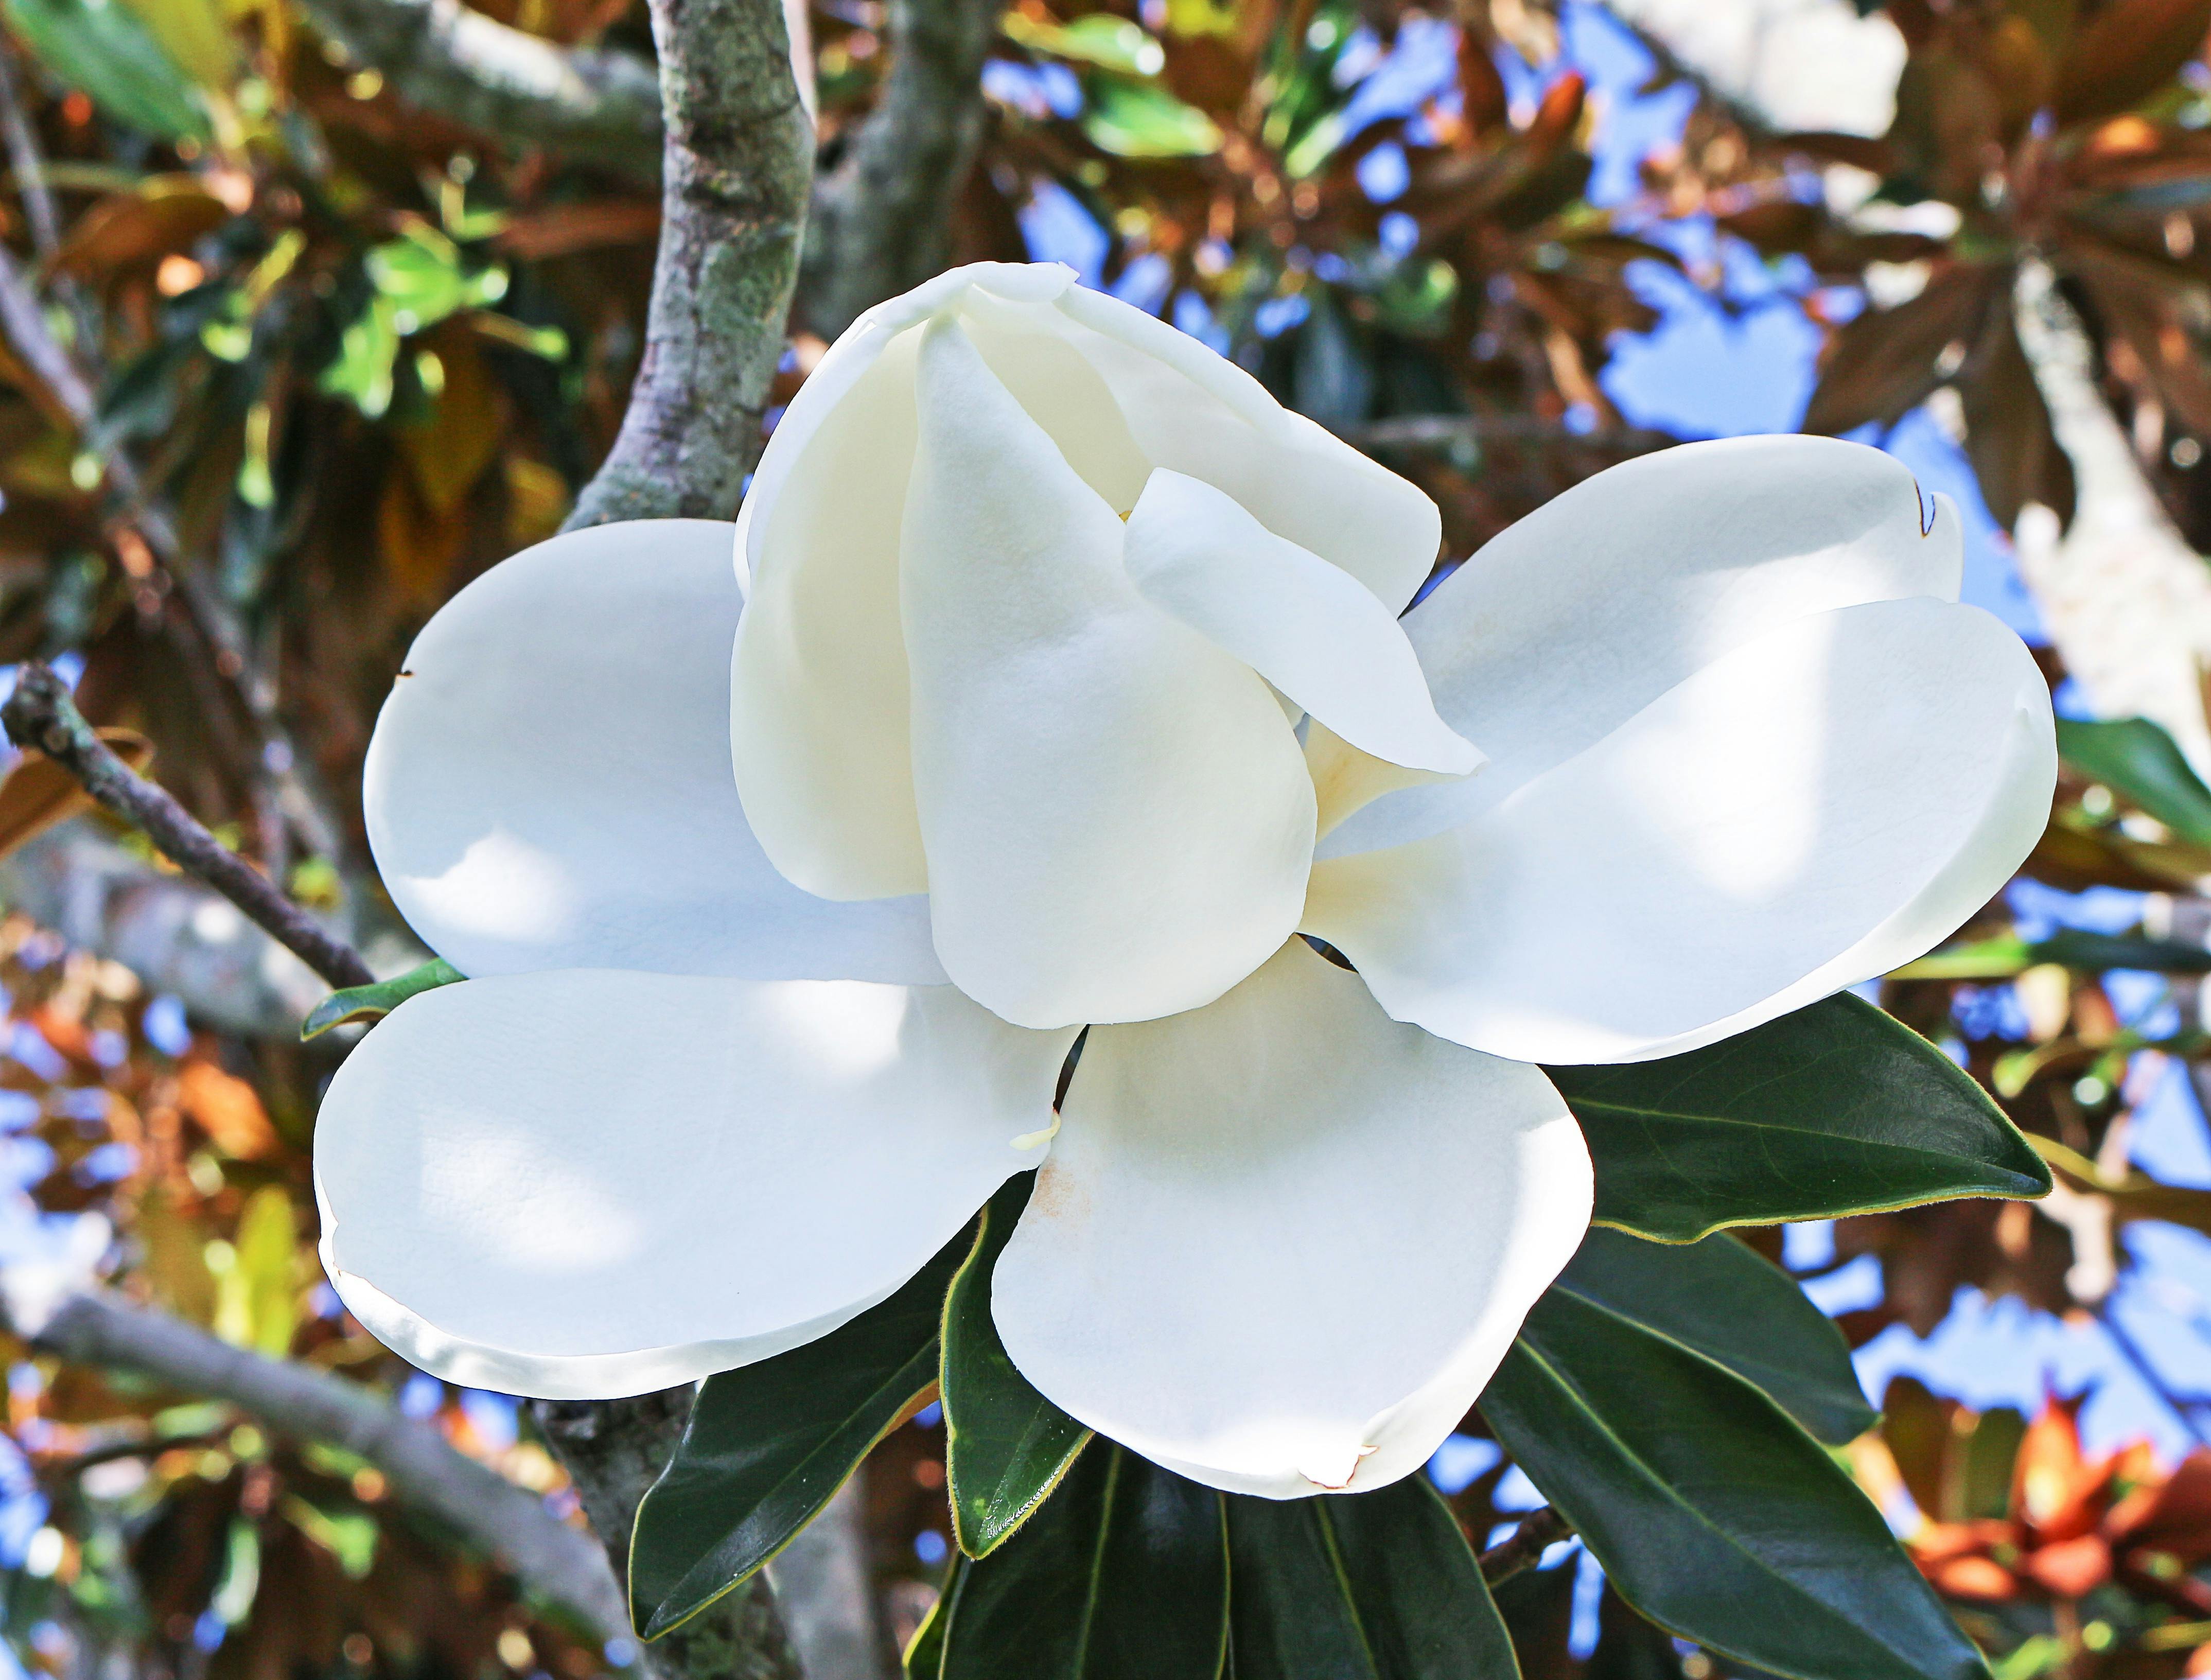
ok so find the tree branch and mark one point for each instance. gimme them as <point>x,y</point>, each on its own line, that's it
<point>882,218</point>
<point>40,717</point>
<point>738,158</point>
<point>424,1471</point>
<point>603,106</point>
<point>614,1450</point>
<point>1524,1547</point>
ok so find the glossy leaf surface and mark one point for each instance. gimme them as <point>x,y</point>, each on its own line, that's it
<point>1724,1300</point>
<point>768,1443</point>
<point>1711,1511</point>
<point>1123,1575</point>
<point>1361,1587</point>
<point>1006,1446</point>
<point>1834,1109</point>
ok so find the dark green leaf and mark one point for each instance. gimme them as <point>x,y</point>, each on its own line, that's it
<point>923,1658</point>
<point>106,52</point>
<point>367,1002</point>
<point>2079,948</point>
<point>1835,1109</point>
<point>1719,1298</point>
<point>1361,1587</point>
<point>768,1443</point>
<point>1123,1576</point>
<point>1006,1446</point>
<point>2138,762</point>
<point>1712,1513</point>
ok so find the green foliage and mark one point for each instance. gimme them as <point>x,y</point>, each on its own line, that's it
<point>101,48</point>
<point>768,1444</point>
<point>1713,1512</point>
<point>1721,1299</point>
<point>1361,1587</point>
<point>1140,119</point>
<point>1124,1576</point>
<point>2140,761</point>
<point>1006,1446</point>
<point>1835,1109</point>
<point>370,1003</point>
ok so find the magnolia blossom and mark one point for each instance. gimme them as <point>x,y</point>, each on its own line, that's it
<point>1071,699</point>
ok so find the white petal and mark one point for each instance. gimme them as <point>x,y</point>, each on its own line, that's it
<point>1117,816</point>
<point>1198,413</point>
<point>1282,1242</point>
<point>549,786</point>
<point>584,1183</point>
<point>1311,628</point>
<point>819,723</point>
<point>1805,813</point>
<point>1582,614</point>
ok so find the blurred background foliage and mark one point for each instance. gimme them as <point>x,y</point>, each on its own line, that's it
<point>296,340</point>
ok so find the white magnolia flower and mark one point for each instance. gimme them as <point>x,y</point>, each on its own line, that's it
<point>1064,652</point>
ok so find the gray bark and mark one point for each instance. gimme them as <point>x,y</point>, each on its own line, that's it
<point>613,1450</point>
<point>422,1469</point>
<point>738,159</point>
<point>883,219</point>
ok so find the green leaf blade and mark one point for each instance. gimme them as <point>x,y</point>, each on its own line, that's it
<point>1719,1299</point>
<point>108,54</point>
<point>1124,1576</point>
<point>369,1003</point>
<point>1711,1512</point>
<point>1007,1447</point>
<point>1835,1109</point>
<point>2135,758</point>
<point>768,1444</point>
<point>1361,1587</point>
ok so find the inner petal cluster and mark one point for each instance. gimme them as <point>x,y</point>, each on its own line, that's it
<point>1075,728</point>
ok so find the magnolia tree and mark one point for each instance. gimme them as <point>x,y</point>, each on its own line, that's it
<point>1057,912</point>
<point>1027,917</point>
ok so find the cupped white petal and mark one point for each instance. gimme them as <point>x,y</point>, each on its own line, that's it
<point>1574,619</point>
<point>1282,1242</point>
<point>589,1182</point>
<point>1117,817</point>
<point>1198,413</point>
<point>1808,812</point>
<point>549,786</point>
<point>818,726</point>
<point>1311,628</point>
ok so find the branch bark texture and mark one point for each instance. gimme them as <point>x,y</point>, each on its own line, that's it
<point>445,56</point>
<point>1524,1549</point>
<point>882,217</point>
<point>737,161</point>
<point>613,1450</point>
<point>423,1470</point>
<point>40,717</point>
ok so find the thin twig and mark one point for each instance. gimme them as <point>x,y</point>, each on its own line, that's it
<point>422,1469</point>
<point>30,164</point>
<point>24,323</point>
<point>2183,1407</point>
<point>1524,1547</point>
<point>41,716</point>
